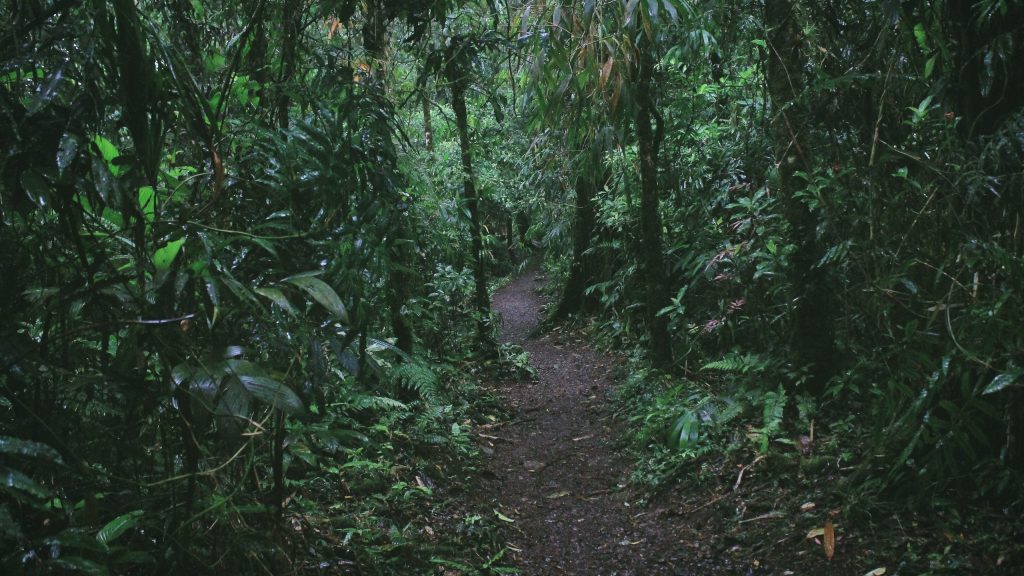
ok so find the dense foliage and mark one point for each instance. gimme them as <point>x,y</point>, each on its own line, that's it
<point>246,250</point>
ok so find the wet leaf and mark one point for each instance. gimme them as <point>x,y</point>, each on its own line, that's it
<point>876,572</point>
<point>1001,382</point>
<point>255,380</point>
<point>279,298</point>
<point>322,293</point>
<point>19,447</point>
<point>118,526</point>
<point>17,480</point>
<point>164,257</point>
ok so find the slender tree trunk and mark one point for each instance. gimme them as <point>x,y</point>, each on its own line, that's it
<point>812,332</point>
<point>649,140</point>
<point>428,125</point>
<point>482,299</point>
<point>291,20</point>
<point>581,273</point>
<point>401,276</point>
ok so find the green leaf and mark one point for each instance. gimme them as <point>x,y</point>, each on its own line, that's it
<point>109,152</point>
<point>256,381</point>
<point>321,292</point>
<point>19,447</point>
<point>673,13</point>
<point>147,202</point>
<point>118,526</point>
<point>164,257</point>
<point>685,432</point>
<point>1001,382</point>
<point>921,36</point>
<point>278,298</point>
<point>929,67</point>
<point>19,481</point>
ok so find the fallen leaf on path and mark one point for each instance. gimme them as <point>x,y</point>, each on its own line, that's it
<point>830,539</point>
<point>556,495</point>
<point>816,533</point>
<point>502,517</point>
<point>876,572</point>
<point>587,437</point>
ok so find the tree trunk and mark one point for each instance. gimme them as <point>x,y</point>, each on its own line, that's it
<point>581,272</point>
<point>428,125</point>
<point>481,298</point>
<point>291,20</point>
<point>812,333</point>
<point>401,276</point>
<point>649,140</point>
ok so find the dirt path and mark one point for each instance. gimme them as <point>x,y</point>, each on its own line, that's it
<point>553,470</point>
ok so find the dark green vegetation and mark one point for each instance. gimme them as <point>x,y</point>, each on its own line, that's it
<point>246,250</point>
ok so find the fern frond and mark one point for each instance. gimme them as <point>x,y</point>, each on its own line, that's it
<point>418,378</point>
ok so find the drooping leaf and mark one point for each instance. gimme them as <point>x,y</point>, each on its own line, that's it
<point>685,431</point>
<point>256,381</point>
<point>18,481</point>
<point>322,293</point>
<point>278,298</point>
<point>19,447</point>
<point>118,526</point>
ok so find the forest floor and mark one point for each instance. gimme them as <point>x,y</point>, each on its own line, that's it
<point>555,475</point>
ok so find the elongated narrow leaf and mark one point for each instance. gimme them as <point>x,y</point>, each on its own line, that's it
<point>278,298</point>
<point>118,526</point>
<point>322,293</point>
<point>20,447</point>
<point>1001,382</point>
<point>20,482</point>
<point>264,388</point>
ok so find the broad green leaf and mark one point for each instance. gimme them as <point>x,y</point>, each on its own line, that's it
<point>929,67</point>
<point>265,388</point>
<point>118,526</point>
<point>322,293</point>
<point>278,298</point>
<point>109,152</point>
<point>20,447</point>
<point>164,257</point>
